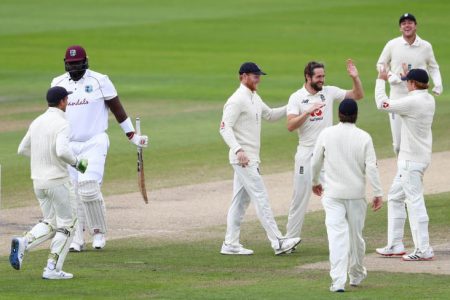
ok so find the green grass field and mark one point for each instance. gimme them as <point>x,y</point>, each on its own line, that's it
<point>174,63</point>
<point>161,269</point>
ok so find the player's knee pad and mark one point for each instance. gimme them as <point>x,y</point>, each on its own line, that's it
<point>94,205</point>
<point>61,243</point>
<point>39,234</point>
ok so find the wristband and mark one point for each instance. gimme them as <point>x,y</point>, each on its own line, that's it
<point>127,126</point>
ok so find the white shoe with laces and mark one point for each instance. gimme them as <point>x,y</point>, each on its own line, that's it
<point>98,241</point>
<point>287,245</point>
<point>235,250</point>
<point>357,281</point>
<point>418,255</point>
<point>53,274</point>
<point>397,250</point>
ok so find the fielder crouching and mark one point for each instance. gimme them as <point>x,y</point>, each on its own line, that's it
<point>47,144</point>
<point>348,155</point>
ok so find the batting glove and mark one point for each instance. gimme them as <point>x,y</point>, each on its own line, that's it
<point>138,140</point>
<point>81,165</point>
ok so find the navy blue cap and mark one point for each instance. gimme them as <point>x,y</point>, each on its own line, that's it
<point>418,75</point>
<point>407,16</point>
<point>250,67</point>
<point>348,107</point>
<point>56,94</point>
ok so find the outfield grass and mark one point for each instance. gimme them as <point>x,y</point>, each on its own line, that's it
<point>174,63</point>
<point>167,269</point>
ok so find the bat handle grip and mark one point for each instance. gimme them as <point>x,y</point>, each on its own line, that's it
<point>138,126</point>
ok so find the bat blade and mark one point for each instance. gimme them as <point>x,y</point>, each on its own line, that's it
<point>140,166</point>
<point>141,176</point>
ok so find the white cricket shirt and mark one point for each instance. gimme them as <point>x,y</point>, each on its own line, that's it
<point>241,122</point>
<point>418,55</point>
<point>416,112</point>
<point>47,144</point>
<point>87,111</point>
<point>348,156</point>
<point>301,100</point>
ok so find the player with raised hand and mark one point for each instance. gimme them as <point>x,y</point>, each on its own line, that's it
<point>309,111</point>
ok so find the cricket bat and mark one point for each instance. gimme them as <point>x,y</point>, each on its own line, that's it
<point>140,165</point>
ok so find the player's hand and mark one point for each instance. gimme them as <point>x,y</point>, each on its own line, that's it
<point>139,140</point>
<point>314,107</point>
<point>377,203</point>
<point>81,165</point>
<point>351,69</point>
<point>242,158</point>
<point>317,190</point>
<point>383,73</point>
<point>437,90</point>
<point>405,71</point>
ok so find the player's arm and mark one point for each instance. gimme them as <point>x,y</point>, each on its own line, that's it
<point>435,74</point>
<point>25,145</point>
<point>295,121</point>
<point>231,112</point>
<point>119,113</point>
<point>357,91</point>
<point>372,173</point>
<point>273,114</point>
<point>316,164</point>
<point>382,101</point>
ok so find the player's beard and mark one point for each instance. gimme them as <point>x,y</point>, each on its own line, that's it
<point>316,87</point>
<point>76,75</point>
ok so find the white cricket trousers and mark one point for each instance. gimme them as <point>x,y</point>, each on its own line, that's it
<point>248,186</point>
<point>345,222</point>
<point>408,188</point>
<point>95,150</point>
<point>58,206</point>
<point>302,188</point>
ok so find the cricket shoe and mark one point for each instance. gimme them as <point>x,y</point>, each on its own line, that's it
<point>357,281</point>
<point>98,241</point>
<point>397,250</point>
<point>336,289</point>
<point>235,250</point>
<point>418,255</point>
<point>53,274</point>
<point>75,247</point>
<point>18,246</point>
<point>287,245</point>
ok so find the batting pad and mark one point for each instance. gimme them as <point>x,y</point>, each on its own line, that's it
<point>39,234</point>
<point>60,244</point>
<point>94,205</point>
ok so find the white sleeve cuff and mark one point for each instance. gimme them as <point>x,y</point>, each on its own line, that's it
<point>127,126</point>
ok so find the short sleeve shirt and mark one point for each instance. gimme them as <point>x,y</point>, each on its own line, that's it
<point>86,110</point>
<point>301,100</point>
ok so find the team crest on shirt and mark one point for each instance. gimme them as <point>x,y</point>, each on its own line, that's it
<point>72,52</point>
<point>322,97</point>
<point>222,125</point>
<point>305,101</point>
<point>88,88</point>
<point>385,105</point>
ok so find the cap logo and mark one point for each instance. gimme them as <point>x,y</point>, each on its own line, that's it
<point>72,52</point>
<point>405,15</point>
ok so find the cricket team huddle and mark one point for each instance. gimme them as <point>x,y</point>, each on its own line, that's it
<point>68,144</point>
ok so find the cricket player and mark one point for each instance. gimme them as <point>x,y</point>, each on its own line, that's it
<point>47,144</point>
<point>416,112</point>
<point>241,130</point>
<point>401,54</point>
<point>93,94</point>
<point>309,111</point>
<point>348,156</point>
